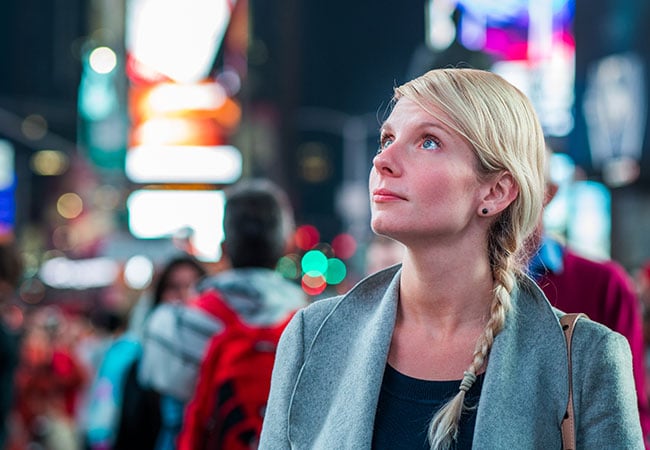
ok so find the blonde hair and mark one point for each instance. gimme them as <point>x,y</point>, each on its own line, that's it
<point>500,124</point>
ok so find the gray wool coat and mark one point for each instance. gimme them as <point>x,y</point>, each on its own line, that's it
<point>332,355</point>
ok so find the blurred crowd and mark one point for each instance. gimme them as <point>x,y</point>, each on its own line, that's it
<point>111,377</point>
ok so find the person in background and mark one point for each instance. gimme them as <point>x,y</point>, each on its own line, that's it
<point>11,269</point>
<point>49,380</point>
<point>642,281</point>
<point>457,347</point>
<point>601,289</point>
<point>176,284</point>
<point>258,227</point>
<point>121,414</point>
<point>642,285</point>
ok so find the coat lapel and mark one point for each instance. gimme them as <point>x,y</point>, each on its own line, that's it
<point>350,349</point>
<point>525,389</point>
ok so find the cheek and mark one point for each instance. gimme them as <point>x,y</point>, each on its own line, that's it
<point>449,189</point>
<point>372,178</point>
<point>170,294</point>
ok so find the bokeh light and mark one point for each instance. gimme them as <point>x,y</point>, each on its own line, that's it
<point>306,237</point>
<point>61,239</point>
<point>313,283</point>
<point>32,291</point>
<point>314,261</point>
<point>102,60</point>
<point>49,162</point>
<point>34,127</point>
<point>325,249</point>
<point>138,272</point>
<point>288,267</point>
<point>336,271</point>
<point>344,245</point>
<point>14,317</point>
<point>69,205</point>
<point>319,266</point>
<point>314,162</point>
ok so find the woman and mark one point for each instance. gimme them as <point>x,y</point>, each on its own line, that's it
<point>457,348</point>
<point>136,422</point>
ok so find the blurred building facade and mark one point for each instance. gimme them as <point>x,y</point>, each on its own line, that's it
<point>316,78</point>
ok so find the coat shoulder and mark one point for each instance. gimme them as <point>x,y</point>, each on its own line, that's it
<point>590,332</point>
<point>362,296</point>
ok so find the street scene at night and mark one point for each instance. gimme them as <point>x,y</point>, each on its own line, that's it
<point>239,224</point>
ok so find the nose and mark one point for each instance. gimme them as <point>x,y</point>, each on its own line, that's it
<point>384,162</point>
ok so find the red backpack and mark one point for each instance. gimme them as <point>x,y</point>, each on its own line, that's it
<point>227,409</point>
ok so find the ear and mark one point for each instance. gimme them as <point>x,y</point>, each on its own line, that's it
<point>551,190</point>
<point>225,259</point>
<point>501,191</point>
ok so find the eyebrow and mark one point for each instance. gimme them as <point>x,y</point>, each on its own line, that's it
<point>444,129</point>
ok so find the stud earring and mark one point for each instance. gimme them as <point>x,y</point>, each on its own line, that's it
<point>484,211</point>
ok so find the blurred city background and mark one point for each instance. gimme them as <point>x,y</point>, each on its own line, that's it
<point>121,122</point>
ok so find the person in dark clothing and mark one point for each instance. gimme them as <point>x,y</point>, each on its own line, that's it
<point>10,274</point>
<point>138,421</point>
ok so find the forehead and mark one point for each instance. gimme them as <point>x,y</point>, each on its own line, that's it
<point>183,272</point>
<point>407,112</point>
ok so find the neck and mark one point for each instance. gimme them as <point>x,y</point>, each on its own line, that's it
<point>446,289</point>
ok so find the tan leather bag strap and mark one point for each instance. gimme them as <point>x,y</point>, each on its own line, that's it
<point>568,322</point>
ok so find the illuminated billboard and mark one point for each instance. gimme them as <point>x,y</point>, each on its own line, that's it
<point>7,188</point>
<point>612,130</point>
<point>530,43</point>
<point>183,109</point>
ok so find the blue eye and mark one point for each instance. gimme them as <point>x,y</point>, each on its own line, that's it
<point>383,144</point>
<point>430,144</point>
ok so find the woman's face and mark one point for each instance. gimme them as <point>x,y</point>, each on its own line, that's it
<point>423,183</point>
<point>180,284</point>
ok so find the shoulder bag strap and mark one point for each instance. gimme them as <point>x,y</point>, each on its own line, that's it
<point>568,322</point>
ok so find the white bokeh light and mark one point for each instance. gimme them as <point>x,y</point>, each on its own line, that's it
<point>138,272</point>
<point>102,60</point>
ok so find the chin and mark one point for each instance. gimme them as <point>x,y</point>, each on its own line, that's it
<point>381,229</point>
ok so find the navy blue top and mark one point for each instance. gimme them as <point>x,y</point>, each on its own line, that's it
<point>406,405</point>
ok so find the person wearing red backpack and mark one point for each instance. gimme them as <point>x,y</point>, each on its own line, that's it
<point>243,310</point>
<point>227,409</point>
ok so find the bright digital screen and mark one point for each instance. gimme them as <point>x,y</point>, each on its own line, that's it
<point>516,29</point>
<point>65,273</point>
<point>178,39</point>
<point>164,213</point>
<point>532,45</point>
<point>590,226</point>
<point>184,164</point>
<point>7,188</point>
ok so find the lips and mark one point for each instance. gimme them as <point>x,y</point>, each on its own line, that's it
<point>385,195</point>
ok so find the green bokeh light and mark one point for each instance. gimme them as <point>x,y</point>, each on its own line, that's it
<point>314,261</point>
<point>336,271</point>
<point>288,268</point>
